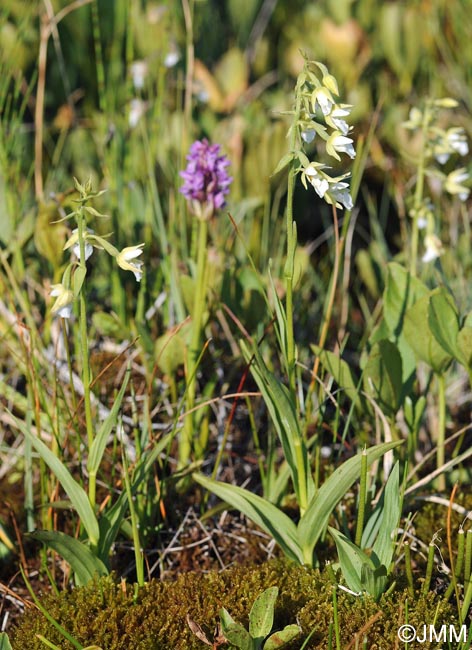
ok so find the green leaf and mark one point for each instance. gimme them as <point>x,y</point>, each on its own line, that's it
<point>464,346</point>
<point>402,290</point>
<point>263,513</point>
<point>284,416</point>
<point>4,641</point>
<point>234,632</point>
<point>382,376</point>
<point>351,559</point>
<point>261,616</point>
<point>443,320</point>
<point>279,639</point>
<point>78,279</point>
<point>391,508</point>
<point>315,519</point>
<point>81,559</point>
<point>374,581</point>
<point>283,162</point>
<point>74,491</point>
<point>100,440</point>
<point>341,373</point>
<point>421,339</point>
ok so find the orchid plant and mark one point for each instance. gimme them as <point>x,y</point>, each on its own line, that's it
<point>206,184</point>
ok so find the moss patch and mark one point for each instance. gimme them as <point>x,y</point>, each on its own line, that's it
<point>105,614</point>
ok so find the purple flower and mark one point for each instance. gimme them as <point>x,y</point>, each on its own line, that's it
<point>206,179</point>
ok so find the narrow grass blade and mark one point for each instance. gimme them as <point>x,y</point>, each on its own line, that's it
<point>75,492</point>
<point>100,440</point>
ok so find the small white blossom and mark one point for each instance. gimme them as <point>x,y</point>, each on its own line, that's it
<point>341,195</point>
<point>73,242</point>
<point>137,109</point>
<point>323,98</point>
<point>308,135</point>
<point>319,182</point>
<point>64,300</point>
<point>434,248</point>
<point>334,119</point>
<point>453,183</point>
<point>340,143</point>
<point>172,57</point>
<point>139,70</point>
<point>130,253</point>
<point>458,141</point>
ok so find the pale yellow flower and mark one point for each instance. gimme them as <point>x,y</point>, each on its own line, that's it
<point>124,258</point>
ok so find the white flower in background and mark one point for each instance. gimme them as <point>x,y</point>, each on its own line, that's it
<point>339,143</point>
<point>172,57</point>
<point>323,98</point>
<point>137,109</point>
<point>335,118</point>
<point>453,183</point>
<point>434,248</point>
<point>139,70</point>
<point>415,119</point>
<point>457,140</point>
<point>64,300</point>
<point>73,242</point>
<point>125,257</point>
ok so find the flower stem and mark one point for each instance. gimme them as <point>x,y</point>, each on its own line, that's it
<point>199,305</point>
<point>418,199</point>
<point>440,452</point>
<point>291,248</point>
<point>86,374</point>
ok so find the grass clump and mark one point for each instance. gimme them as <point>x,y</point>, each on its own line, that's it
<point>113,617</point>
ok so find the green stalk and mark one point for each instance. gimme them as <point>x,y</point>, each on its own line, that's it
<point>86,374</point>
<point>408,570</point>
<point>429,570</point>
<point>337,632</point>
<point>440,452</point>
<point>185,443</point>
<point>138,552</point>
<point>468,556</point>
<point>291,247</point>
<point>362,499</point>
<point>418,199</point>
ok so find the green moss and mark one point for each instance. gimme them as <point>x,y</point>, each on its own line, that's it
<point>102,613</point>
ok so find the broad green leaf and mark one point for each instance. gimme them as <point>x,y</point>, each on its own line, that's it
<point>279,639</point>
<point>374,581</point>
<point>261,512</point>
<point>464,345</point>
<point>74,491</point>
<point>443,320</point>
<point>100,440</point>
<point>4,641</point>
<point>341,373</point>
<point>382,376</point>
<point>421,339</point>
<point>234,632</point>
<point>315,519</point>
<point>261,616</point>
<point>391,508</point>
<point>81,559</point>
<point>402,291</point>
<point>351,559</point>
